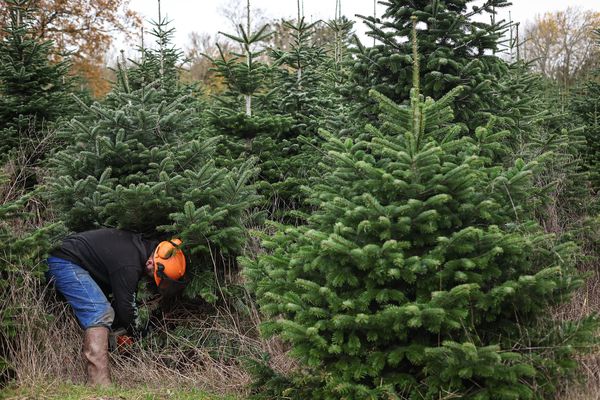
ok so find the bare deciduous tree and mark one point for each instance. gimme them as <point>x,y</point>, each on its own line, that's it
<point>235,11</point>
<point>199,66</point>
<point>561,45</point>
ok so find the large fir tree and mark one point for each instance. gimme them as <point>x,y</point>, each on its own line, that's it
<point>420,275</point>
<point>456,50</point>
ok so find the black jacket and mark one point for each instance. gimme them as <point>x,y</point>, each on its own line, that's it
<point>116,260</point>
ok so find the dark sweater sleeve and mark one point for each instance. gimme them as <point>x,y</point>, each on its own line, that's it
<point>124,286</point>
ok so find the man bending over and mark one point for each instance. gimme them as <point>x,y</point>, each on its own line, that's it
<point>88,266</point>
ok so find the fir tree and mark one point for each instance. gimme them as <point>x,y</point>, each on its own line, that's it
<point>343,117</point>
<point>304,91</point>
<point>301,84</point>
<point>585,105</point>
<point>556,140</point>
<point>455,50</point>
<point>544,132</point>
<point>243,113</point>
<point>420,274</point>
<point>542,129</point>
<point>240,113</point>
<point>34,95</point>
<point>159,66</point>
<point>245,76</point>
<point>34,91</point>
<point>136,162</point>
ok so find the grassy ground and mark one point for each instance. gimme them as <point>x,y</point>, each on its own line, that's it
<point>78,392</point>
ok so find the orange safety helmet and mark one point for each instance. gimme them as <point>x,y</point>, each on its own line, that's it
<point>169,262</point>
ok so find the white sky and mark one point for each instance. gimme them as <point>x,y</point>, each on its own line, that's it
<point>203,15</point>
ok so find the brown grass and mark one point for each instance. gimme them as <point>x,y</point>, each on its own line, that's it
<point>46,344</point>
<point>585,302</point>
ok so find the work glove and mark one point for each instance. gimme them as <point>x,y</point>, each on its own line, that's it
<point>120,341</point>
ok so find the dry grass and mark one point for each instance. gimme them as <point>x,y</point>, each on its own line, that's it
<point>24,167</point>
<point>586,301</point>
<point>46,343</point>
<point>185,365</point>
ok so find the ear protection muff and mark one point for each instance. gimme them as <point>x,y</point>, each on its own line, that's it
<point>167,248</point>
<point>169,262</point>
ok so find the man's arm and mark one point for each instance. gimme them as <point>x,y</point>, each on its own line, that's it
<point>124,287</point>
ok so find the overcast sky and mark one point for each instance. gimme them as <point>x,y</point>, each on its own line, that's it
<point>203,15</point>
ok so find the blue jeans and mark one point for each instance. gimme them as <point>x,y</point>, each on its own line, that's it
<point>81,291</point>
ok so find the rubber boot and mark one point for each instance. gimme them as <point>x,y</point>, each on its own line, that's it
<point>95,352</point>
